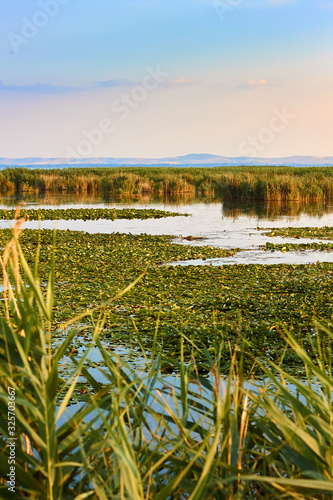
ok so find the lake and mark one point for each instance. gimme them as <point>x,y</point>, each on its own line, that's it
<point>212,223</point>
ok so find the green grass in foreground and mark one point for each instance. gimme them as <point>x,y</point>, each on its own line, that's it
<point>89,214</point>
<point>211,306</point>
<point>138,438</point>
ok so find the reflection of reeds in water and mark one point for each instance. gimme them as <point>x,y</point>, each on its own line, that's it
<point>231,208</point>
<point>273,209</point>
<point>52,198</point>
<point>62,198</point>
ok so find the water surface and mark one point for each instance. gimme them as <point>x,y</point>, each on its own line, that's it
<point>216,224</point>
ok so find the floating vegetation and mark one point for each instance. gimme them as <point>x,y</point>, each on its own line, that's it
<point>211,306</point>
<point>291,247</point>
<point>89,214</point>
<point>320,233</point>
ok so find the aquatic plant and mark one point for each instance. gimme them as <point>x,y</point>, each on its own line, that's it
<point>89,214</point>
<point>320,233</point>
<point>291,247</point>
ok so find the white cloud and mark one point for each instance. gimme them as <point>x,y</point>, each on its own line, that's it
<point>259,83</point>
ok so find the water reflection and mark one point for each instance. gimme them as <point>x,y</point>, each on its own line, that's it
<point>47,198</point>
<point>231,208</point>
<point>274,209</point>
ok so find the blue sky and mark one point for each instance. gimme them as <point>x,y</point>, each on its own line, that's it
<point>153,78</point>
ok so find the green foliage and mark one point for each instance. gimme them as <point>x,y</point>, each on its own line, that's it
<point>291,247</point>
<point>141,437</point>
<point>320,233</point>
<point>89,214</point>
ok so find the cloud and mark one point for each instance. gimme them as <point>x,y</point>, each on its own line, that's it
<point>259,83</point>
<point>46,88</point>
<point>40,88</point>
<point>253,84</point>
<point>114,83</point>
<point>179,82</point>
<point>123,82</point>
<point>49,89</point>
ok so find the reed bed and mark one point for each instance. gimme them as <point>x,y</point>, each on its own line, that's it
<point>139,436</point>
<point>241,183</point>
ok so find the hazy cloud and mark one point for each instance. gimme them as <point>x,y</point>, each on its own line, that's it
<point>114,83</point>
<point>40,88</point>
<point>49,89</point>
<point>253,84</point>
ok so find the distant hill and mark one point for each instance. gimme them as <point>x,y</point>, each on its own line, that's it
<point>190,160</point>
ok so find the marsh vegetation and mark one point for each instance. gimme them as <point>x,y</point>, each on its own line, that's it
<point>238,183</point>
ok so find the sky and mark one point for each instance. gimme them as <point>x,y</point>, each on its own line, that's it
<point>162,78</point>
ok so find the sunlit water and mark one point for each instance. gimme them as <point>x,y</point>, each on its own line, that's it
<point>213,224</point>
<point>161,397</point>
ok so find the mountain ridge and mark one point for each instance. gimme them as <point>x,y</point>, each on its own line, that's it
<point>193,159</point>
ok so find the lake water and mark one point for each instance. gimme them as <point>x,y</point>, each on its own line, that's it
<point>215,224</point>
